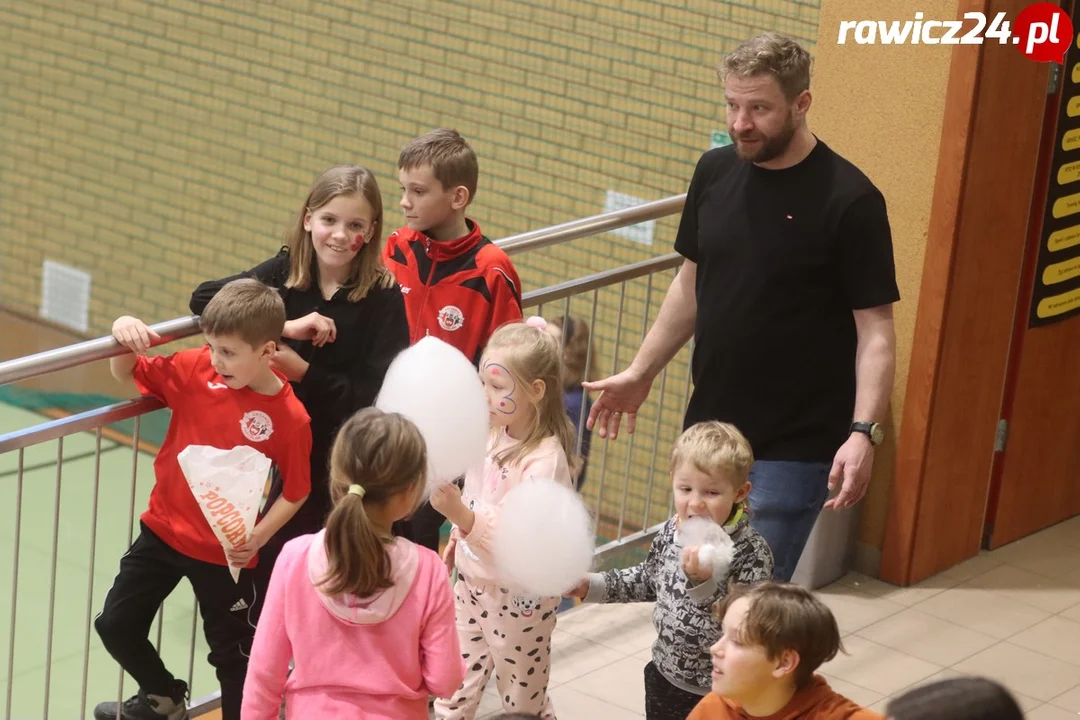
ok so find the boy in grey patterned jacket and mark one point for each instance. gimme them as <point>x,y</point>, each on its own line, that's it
<point>710,469</point>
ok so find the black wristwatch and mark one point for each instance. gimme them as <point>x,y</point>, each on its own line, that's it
<point>872,430</point>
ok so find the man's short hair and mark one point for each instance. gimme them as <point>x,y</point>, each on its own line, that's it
<point>247,309</point>
<point>783,617</point>
<point>777,55</point>
<point>451,158</point>
<point>715,448</point>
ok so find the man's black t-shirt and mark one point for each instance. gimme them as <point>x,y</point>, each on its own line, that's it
<point>783,258</point>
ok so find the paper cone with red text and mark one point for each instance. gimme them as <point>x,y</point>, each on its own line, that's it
<point>228,484</point>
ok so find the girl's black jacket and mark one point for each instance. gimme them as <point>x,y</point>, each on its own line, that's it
<point>344,376</point>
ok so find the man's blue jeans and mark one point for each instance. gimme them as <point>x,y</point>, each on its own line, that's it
<point>785,501</point>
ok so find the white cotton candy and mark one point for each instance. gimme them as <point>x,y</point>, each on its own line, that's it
<point>716,546</point>
<point>544,541</point>
<point>434,385</point>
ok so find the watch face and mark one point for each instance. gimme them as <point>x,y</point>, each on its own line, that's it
<point>877,434</point>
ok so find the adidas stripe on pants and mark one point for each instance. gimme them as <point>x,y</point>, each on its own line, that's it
<point>149,572</point>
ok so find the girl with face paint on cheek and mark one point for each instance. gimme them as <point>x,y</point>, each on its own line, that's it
<point>346,322</point>
<point>338,230</point>
<point>501,388</point>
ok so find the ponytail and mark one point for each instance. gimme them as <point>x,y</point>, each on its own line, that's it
<point>375,457</point>
<point>359,564</point>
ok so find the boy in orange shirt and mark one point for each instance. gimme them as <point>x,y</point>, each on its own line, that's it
<point>775,637</point>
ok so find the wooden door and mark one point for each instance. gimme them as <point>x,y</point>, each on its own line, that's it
<point>1035,481</point>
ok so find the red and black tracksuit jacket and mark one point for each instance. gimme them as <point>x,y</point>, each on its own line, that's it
<point>459,291</point>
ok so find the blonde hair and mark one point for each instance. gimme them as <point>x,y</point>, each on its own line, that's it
<point>452,159</point>
<point>247,309</point>
<point>366,270</point>
<point>783,617</point>
<point>770,54</point>
<point>715,448</point>
<point>385,455</point>
<point>532,354</point>
<point>577,350</point>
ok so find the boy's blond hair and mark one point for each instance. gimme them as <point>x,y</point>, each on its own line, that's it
<point>715,448</point>
<point>247,309</point>
<point>783,617</point>
<point>770,54</point>
<point>451,158</point>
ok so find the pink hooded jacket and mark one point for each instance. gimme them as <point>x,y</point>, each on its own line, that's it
<point>376,658</point>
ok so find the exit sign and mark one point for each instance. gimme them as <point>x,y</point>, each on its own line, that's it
<point>719,139</point>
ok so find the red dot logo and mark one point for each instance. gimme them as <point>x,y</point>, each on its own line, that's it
<point>1043,32</point>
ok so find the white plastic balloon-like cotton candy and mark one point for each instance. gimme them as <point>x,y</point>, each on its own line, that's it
<point>434,385</point>
<point>716,547</point>
<point>544,541</point>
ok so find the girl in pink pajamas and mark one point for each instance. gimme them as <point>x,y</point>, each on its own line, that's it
<point>500,627</point>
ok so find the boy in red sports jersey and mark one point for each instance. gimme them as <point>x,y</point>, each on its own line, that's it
<point>222,395</point>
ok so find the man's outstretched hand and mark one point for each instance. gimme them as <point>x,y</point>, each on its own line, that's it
<point>620,394</point>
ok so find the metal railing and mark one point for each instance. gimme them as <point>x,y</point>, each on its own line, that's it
<point>70,356</point>
<point>608,298</point>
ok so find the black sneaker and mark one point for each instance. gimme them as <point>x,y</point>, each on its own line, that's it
<point>148,707</point>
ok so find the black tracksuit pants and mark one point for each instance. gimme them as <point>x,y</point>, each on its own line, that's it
<point>149,572</point>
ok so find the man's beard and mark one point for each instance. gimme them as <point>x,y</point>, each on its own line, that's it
<point>769,148</point>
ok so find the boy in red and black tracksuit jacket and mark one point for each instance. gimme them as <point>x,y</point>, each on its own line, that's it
<point>458,285</point>
<point>458,291</point>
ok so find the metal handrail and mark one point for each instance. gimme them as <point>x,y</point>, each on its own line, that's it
<point>128,409</point>
<point>567,288</point>
<point>605,222</point>
<point>70,356</point>
<point>80,422</point>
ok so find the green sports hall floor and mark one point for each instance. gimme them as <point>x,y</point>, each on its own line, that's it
<point>77,515</point>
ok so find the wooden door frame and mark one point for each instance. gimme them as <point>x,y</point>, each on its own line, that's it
<point>976,239</point>
<point>1040,193</point>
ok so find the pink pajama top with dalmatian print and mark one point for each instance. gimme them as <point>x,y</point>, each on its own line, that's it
<point>484,491</point>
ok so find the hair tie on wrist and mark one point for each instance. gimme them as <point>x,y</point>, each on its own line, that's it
<point>356,490</point>
<point>537,322</point>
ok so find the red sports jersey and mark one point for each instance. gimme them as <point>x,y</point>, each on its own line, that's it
<point>206,411</point>
<point>458,291</point>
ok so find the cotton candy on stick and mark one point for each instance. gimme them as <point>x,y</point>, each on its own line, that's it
<point>716,548</point>
<point>436,387</point>
<point>544,541</point>
<point>228,485</point>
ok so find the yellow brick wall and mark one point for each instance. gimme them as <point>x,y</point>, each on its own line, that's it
<point>881,85</point>
<point>157,143</point>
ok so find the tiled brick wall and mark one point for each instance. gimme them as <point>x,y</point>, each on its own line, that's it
<point>157,143</point>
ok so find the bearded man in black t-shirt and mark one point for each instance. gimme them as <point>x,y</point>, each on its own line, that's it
<point>787,289</point>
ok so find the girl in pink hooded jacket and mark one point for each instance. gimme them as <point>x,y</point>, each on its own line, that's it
<point>501,628</point>
<point>366,618</point>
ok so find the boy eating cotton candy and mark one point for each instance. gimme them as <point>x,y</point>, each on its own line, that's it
<point>710,470</point>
